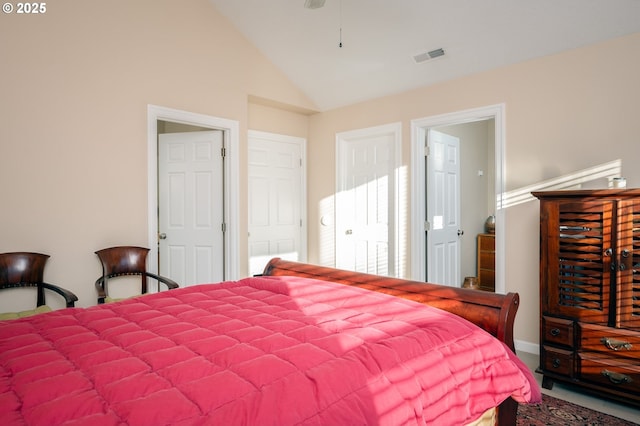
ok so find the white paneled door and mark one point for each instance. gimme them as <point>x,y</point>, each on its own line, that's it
<point>366,201</point>
<point>276,199</point>
<point>191,207</point>
<point>443,209</point>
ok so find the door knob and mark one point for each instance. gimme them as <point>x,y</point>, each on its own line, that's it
<point>162,236</point>
<point>460,232</point>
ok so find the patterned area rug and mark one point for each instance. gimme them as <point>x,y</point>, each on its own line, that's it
<point>553,411</point>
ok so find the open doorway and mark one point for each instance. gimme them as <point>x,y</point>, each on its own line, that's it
<point>459,123</point>
<point>476,201</point>
<point>158,119</point>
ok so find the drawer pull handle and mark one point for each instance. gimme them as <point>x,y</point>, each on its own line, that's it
<point>555,331</point>
<point>616,378</point>
<point>615,344</point>
<point>556,363</point>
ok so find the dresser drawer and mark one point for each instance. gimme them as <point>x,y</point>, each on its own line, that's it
<point>487,259</point>
<point>617,342</point>
<point>557,331</point>
<point>487,279</point>
<point>558,361</point>
<point>614,373</point>
<point>486,242</point>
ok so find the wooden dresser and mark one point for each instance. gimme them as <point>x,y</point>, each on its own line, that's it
<point>590,290</point>
<point>487,262</point>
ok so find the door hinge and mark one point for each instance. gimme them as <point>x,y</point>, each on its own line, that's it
<point>427,151</point>
<point>224,227</point>
<point>223,152</point>
<point>427,225</point>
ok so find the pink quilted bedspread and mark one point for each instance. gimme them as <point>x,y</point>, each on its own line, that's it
<point>260,351</point>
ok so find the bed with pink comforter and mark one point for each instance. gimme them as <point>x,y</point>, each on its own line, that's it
<point>260,351</point>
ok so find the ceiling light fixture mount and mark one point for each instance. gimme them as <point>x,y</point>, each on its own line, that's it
<point>340,44</point>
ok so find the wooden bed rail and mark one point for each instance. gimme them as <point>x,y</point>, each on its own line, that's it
<point>493,312</point>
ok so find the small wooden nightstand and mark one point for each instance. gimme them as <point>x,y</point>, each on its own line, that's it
<point>487,261</point>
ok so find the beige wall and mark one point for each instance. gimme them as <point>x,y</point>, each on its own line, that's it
<point>272,119</point>
<point>74,88</point>
<point>70,184</point>
<point>563,113</point>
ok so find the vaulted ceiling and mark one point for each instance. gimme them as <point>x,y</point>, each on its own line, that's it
<point>385,42</point>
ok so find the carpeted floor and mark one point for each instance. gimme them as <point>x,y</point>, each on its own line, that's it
<point>553,411</point>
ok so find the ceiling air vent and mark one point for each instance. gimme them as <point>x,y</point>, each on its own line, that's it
<point>432,54</point>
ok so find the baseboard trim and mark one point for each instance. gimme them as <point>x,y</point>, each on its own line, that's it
<point>532,348</point>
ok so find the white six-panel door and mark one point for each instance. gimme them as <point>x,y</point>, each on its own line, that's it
<point>443,209</point>
<point>366,200</point>
<point>191,214</point>
<point>276,199</point>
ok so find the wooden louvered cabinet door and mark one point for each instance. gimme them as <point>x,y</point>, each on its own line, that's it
<point>577,264</point>
<point>590,290</point>
<point>628,292</point>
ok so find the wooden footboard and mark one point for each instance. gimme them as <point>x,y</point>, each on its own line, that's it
<point>493,312</point>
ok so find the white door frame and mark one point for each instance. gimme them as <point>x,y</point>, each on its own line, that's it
<point>419,128</point>
<point>302,143</point>
<point>231,130</point>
